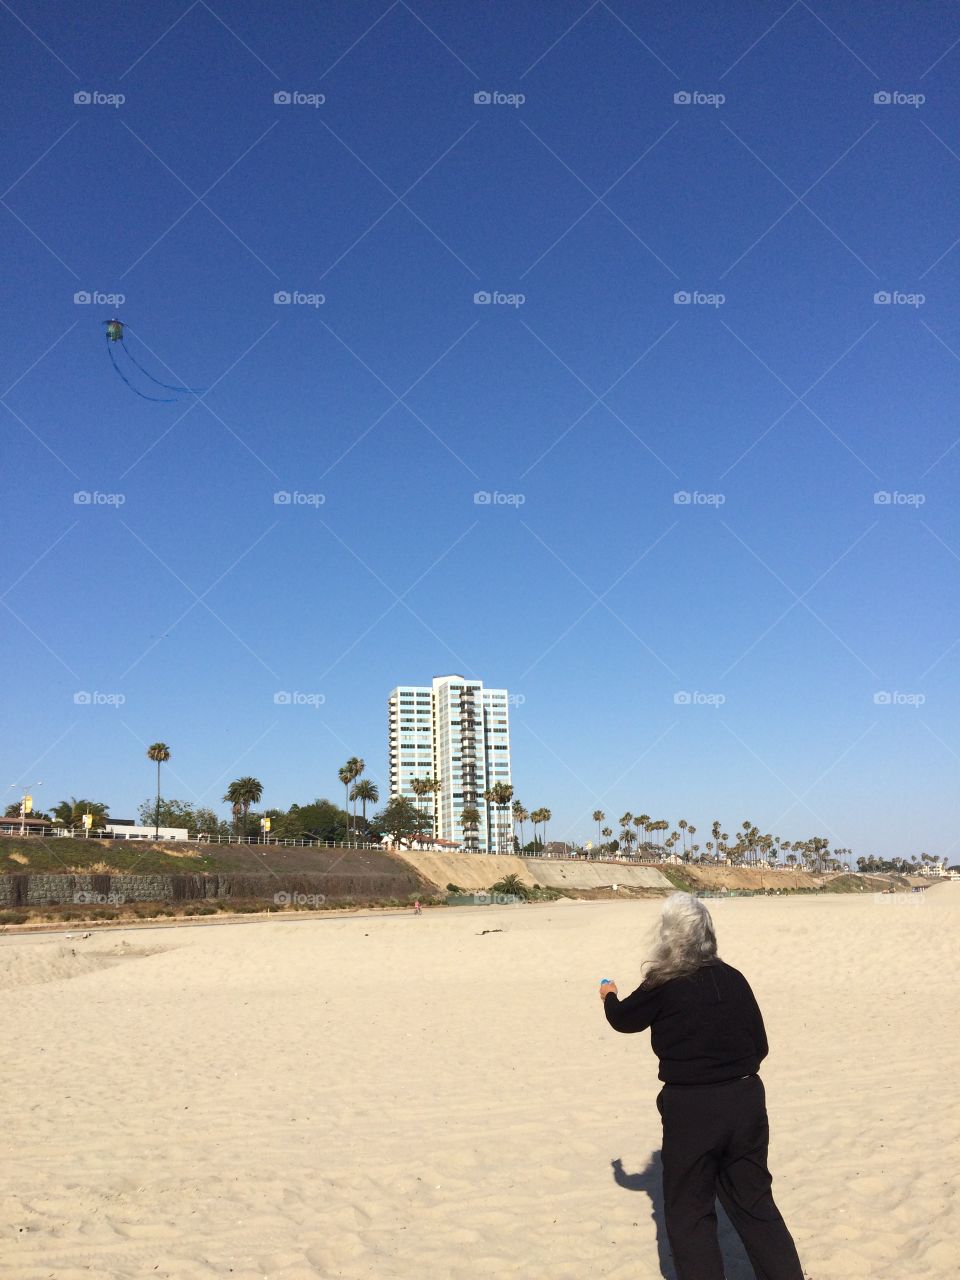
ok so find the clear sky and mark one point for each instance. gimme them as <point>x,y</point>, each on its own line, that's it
<point>782,647</point>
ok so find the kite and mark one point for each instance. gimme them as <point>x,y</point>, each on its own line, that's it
<point>115,336</point>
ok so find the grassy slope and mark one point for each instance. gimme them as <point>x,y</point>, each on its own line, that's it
<point>29,854</point>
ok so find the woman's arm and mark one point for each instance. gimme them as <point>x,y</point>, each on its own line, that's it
<point>635,1013</point>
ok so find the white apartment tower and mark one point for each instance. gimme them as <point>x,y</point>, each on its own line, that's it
<point>458,732</point>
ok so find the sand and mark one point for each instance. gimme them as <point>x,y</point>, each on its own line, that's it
<point>408,1097</point>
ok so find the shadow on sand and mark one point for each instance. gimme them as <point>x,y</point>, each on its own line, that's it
<point>650,1181</point>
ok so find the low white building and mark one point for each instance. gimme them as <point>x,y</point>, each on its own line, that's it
<point>130,831</point>
<point>423,844</point>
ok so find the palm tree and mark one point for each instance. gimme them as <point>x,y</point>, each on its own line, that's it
<point>469,821</point>
<point>70,812</point>
<point>683,824</point>
<point>598,817</point>
<point>365,790</point>
<point>644,821</point>
<point>500,795</point>
<point>421,787</point>
<point>521,816</point>
<point>161,753</point>
<point>345,774</point>
<point>241,794</point>
<point>607,832</point>
<point>545,816</point>
<point>540,817</point>
<point>638,823</point>
<point>356,766</point>
<point>436,786</point>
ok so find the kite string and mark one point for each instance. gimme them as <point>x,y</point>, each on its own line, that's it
<point>166,385</point>
<point>136,390</point>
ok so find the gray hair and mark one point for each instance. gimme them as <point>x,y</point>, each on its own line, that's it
<point>686,940</point>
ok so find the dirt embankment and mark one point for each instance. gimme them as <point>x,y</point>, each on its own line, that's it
<point>480,871</point>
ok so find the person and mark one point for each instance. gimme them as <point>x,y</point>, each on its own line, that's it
<point>417,909</point>
<point>708,1032</point>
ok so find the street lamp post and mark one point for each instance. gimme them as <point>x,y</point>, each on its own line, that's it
<point>26,803</point>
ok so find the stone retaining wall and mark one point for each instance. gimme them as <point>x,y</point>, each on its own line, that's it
<point>41,890</point>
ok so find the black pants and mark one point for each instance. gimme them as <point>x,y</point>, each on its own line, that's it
<point>715,1145</point>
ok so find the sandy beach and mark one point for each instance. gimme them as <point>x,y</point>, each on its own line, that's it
<point>413,1097</point>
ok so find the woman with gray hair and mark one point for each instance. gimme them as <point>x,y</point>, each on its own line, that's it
<point>708,1033</point>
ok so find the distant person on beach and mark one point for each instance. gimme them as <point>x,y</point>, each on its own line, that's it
<point>707,1031</point>
<point>417,909</point>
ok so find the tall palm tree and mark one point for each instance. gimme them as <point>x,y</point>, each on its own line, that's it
<point>365,790</point>
<point>436,786</point>
<point>536,817</point>
<point>683,824</point>
<point>644,821</point>
<point>545,816</point>
<point>241,794</point>
<point>356,767</point>
<point>470,821</point>
<point>638,823</point>
<point>421,787</point>
<point>520,816</point>
<point>345,774</point>
<point>599,816</point>
<point>161,753</point>
<point>501,793</point>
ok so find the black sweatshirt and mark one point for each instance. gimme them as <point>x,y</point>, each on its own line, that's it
<point>706,1028</point>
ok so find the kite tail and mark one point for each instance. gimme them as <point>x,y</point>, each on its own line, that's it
<point>136,390</point>
<point>167,386</point>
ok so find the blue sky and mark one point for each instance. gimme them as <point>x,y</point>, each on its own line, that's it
<point>782,647</point>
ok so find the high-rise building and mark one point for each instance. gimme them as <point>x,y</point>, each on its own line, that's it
<point>458,733</point>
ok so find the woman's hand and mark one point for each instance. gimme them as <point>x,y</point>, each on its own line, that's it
<point>605,989</point>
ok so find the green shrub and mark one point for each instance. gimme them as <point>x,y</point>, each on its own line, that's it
<point>511,884</point>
